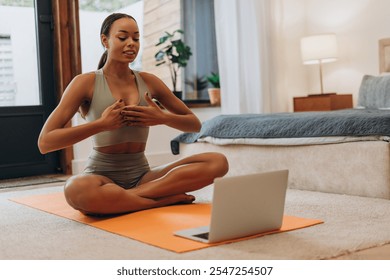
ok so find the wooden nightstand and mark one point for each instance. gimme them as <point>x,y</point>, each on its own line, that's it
<point>324,102</point>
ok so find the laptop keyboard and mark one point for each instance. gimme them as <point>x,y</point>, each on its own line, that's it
<point>202,235</point>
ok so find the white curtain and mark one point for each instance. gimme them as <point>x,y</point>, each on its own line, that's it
<point>243,39</point>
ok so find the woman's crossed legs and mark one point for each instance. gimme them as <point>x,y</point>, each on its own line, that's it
<point>165,185</point>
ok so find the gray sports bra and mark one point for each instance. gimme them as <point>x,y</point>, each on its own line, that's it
<point>101,99</point>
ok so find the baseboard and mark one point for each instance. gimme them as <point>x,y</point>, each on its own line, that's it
<point>155,159</point>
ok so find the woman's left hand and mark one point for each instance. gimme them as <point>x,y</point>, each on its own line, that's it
<point>143,115</point>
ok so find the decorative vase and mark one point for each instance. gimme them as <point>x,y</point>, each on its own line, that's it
<point>215,96</point>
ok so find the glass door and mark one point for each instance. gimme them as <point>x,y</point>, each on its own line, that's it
<point>27,87</point>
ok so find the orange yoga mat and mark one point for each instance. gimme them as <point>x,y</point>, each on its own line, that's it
<point>153,226</point>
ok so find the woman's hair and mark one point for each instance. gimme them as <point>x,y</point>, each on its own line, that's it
<point>105,29</point>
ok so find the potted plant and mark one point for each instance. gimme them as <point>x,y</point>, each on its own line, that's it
<point>214,91</point>
<point>175,53</point>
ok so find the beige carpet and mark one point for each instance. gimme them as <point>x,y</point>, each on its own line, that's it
<point>351,224</point>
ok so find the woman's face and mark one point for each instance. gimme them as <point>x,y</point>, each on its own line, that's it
<point>123,41</point>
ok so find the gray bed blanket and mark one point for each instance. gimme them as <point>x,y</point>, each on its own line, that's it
<point>352,122</point>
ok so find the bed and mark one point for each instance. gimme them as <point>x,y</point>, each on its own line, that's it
<point>344,151</point>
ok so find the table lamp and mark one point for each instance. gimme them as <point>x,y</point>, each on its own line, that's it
<point>319,49</point>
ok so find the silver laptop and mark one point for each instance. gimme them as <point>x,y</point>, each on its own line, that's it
<point>243,206</point>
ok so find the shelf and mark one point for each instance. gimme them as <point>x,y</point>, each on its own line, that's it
<point>198,103</point>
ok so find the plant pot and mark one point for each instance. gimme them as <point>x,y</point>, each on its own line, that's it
<point>215,96</point>
<point>178,94</point>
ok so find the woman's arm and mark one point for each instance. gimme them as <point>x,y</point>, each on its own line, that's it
<point>55,136</point>
<point>177,115</point>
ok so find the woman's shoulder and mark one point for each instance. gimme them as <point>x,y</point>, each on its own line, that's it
<point>84,80</point>
<point>82,85</point>
<point>85,77</point>
<point>151,79</point>
<point>155,85</point>
<point>146,76</point>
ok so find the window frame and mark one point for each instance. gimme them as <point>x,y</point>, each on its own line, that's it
<point>198,21</point>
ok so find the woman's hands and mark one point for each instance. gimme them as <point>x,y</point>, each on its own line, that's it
<point>118,115</point>
<point>143,115</point>
<point>111,117</point>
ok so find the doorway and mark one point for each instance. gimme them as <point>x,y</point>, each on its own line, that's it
<point>27,88</point>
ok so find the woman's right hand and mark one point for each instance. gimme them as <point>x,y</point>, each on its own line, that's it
<point>111,117</point>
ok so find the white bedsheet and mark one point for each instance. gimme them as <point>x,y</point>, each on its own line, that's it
<point>292,141</point>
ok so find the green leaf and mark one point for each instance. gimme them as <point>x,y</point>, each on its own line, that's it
<point>178,31</point>
<point>214,80</point>
<point>159,56</point>
<point>162,40</point>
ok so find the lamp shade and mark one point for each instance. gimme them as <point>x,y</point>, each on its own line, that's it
<point>319,49</point>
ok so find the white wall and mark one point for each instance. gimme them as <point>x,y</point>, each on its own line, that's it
<point>358,25</point>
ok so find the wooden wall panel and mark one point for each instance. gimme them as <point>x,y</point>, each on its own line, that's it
<point>66,56</point>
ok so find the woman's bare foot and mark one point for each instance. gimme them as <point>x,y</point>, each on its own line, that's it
<point>177,199</point>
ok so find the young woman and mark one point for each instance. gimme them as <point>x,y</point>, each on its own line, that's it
<point>117,104</point>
